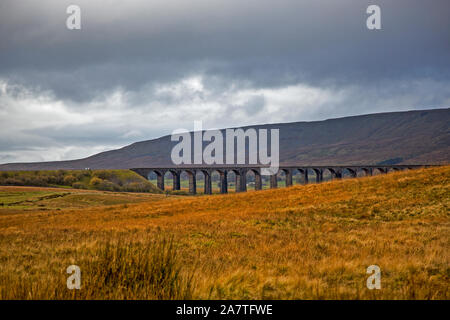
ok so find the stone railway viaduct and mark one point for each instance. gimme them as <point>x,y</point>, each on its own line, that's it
<point>241,171</point>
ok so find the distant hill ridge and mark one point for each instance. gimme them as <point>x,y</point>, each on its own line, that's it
<point>412,137</point>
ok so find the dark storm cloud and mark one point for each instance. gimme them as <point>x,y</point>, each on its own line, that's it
<point>268,43</point>
<point>138,69</point>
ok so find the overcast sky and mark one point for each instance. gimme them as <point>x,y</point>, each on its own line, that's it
<point>139,69</point>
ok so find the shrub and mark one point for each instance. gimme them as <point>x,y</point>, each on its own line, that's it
<point>78,185</point>
<point>13,182</point>
<point>80,175</point>
<point>102,174</point>
<point>137,187</point>
<point>108,186</point>
<point>95,181</point>
<point>35,181</point>
<point>55,179</point>
<point>69,180</point>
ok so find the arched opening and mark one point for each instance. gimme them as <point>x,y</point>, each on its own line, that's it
<point>207,181</point>
<point>364,172</point>
<point>286,177</point>
<point>281,179</point>
<point>307,175</point>
<point>232,177</point>
<point>240,181</point>
<point>184,181</point>
<point>168,180</point>
<point>330,174</point>
<point>265,181</point>
<point>219,180</point>
<point>250,178</point>
<point>349,173</point>
<point>200,179</point>
<point>188,181</point>
<point>317,175</point>
<point>298,176</point>
<point>254,180</point>
<point>151,176</point>
<point>378,170</point>
<point>216,181</point>
<point>274,179</point>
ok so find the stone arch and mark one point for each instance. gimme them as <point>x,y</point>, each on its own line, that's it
<point>148,174</point>
<point>223,179</point>
<point>353,172</point>
<point>297,176</point>
<point>231,180</point>
<point>331,171</point>
<point>319,174</point>
<point>255,175</point>
<point>176,179</point>
<point>167,177</point>
<point>192,178</point>
<point>305,174</point>
<point>174,175</point>
<point>287,176</point>
<point>241,179</point>
<point>240,184</point>
<point>274,180</point>
<point>379,170</point>
<point>159,177</point>
<point>366,171</point>
<point>207,186</point>
<point>335,173</point>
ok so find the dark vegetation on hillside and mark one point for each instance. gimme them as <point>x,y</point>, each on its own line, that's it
<point>106,180</point>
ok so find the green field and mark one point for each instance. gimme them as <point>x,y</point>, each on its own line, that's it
<point>19,199</point>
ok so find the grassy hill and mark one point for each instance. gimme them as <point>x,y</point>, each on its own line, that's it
<point>303,242</point>
<point>414,137</point>
<point>106,180</point>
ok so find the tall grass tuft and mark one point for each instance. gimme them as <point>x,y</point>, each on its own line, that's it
<point>139,270</point>
<point>115,269</point>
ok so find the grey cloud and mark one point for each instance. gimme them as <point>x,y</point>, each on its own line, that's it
<point>131,44</point>
<point>255,105</point>
<point>292,60</point>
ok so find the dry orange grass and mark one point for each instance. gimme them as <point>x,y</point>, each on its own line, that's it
<point>303,242</point>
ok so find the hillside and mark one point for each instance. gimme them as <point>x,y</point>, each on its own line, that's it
<point>302,242</point>
<point>421,137</point>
